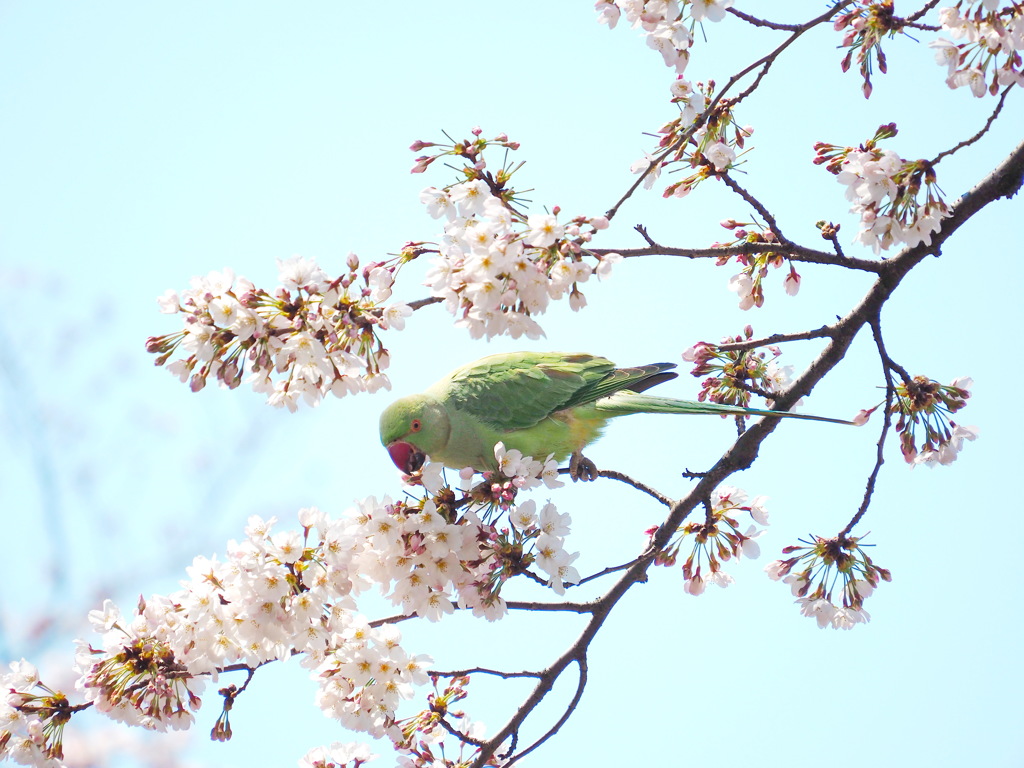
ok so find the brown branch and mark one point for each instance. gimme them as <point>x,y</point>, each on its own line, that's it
<point>463,737</point>
<point>792,251</point>
<point>756,204</point>
<point>525,605</point>
<point>612,474</point>
<point>420,303</point>
<point>912,18</point>
<point>832,235</point>
<point>1004,181</point>
<point>979,134</point>
<point>392,619</point>
<point>890,391</point>
<point>570,708</point>
<point>701,119</point>
<point>483,671</point>
<point>649,554</point>
<point>778,338</point>
<point>752,389</point>
<point>763,22</point>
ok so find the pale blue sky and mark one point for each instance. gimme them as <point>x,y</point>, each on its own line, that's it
<point>144,144</point>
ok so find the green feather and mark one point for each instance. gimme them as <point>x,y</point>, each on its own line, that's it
<point>520,389</point>
<point>539,403</point>
<point>627,403</point>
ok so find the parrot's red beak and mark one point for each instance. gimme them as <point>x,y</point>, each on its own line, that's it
<point>406,457</point>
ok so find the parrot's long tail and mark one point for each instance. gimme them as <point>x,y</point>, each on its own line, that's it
<point>622,403</point>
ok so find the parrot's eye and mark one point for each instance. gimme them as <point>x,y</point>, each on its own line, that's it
<point>416,425</point>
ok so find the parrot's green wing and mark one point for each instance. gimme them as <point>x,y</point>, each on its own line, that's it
<point>518,390</point>
<point>636,379</point>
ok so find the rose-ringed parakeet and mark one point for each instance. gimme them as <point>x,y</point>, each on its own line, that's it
<point>538,403</point>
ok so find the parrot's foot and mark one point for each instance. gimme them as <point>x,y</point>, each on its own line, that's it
<point>581,468</point>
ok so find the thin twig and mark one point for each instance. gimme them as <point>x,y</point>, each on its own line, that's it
<point>615,568</point>
<point>463,737</point>
<point>525,605</point>
<point>752,389</point>
<point>482,671</point>
<point>392,619</point>
<point>420,303</point>
<point>791,251</point>
<point>581,663</point>
<point>643,233</point>
<point>612,474</point>
<point>918,14</point>
<point>826,331</point>
<point>890,391</point>
<point>701,119</point>
<point>756,204</point>
<point>763,22</point>
<point>979,134</point>
<point>833,237</point>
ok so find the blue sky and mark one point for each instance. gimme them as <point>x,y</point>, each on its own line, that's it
<point>146,144</point>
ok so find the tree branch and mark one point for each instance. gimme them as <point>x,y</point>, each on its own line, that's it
<point>483,671</point>
<point>1004,181</point>
<point>979,134</point>
<point>699,121</point>
<point>890,390</point>
<point>756,204</point>
<point>778,338</point>
<point>792,251</point>
<point>521,605</point>
<point>570,708</point>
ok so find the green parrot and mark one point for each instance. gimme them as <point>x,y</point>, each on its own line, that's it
<point>539,403</point>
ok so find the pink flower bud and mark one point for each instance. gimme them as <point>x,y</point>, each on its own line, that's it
<point>421,164</point>
<point>792,282</point>
<point>862,417</point>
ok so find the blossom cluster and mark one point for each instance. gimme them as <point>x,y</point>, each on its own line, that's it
<point>924,405</point>
<point>493,555</point>
<point>883,190</point>
<point>864,27</point>
<point>667,25</point>
<point>337,755</point>
<point>747,284</point>
<point>312,336</point>
<point>812,574</point>
<point>733,375</point>
<point>286,593</point>
<point>708,149</point>
<point>716,539</point>
<point>424,743</point>
<point>275,595</point>
<point>498,268</point>
<point>989,33</point>
<point>32,717</point>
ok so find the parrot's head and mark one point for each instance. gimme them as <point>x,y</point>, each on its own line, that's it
<point>412,428</point>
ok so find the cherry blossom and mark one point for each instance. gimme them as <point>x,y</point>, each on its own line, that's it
<point>716,539</point>
<point>310,337</point>
<point>823,563</point>
<point>883,189</point>
<point>923,408</point>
